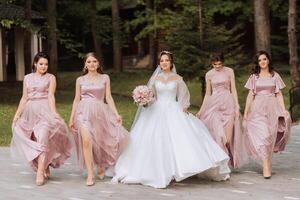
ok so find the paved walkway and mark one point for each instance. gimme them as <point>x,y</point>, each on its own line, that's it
<point>67,183</point>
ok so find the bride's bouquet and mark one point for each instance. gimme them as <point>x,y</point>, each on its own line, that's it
<point>142,95</point>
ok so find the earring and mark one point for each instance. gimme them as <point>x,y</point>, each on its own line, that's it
<point>85,67</point>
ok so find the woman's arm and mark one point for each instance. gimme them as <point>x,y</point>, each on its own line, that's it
<point>75,102</point>
<point>234,93</point>
<point>22,103</point>
<point>249,100</point>
<point>110,100</point>
<point>51,92</point>
<point>206,96</point>
<point>280,99</point>
<point>183,94</point>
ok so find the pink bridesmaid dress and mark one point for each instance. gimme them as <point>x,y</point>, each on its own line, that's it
<point>268,125</point>
<point>218,111</point>
<point>108,137</point>
<point>39,130</point>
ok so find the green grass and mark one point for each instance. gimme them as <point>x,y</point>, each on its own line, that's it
<point>122,86</point>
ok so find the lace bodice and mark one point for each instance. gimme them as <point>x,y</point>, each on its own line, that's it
<point>93,90</point>
<point>37,86</point>
<point>174,90</point>
<point>166,91</point>
<point>220,80</point>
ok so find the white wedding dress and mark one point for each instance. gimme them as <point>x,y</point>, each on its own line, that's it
<point>167,143</point>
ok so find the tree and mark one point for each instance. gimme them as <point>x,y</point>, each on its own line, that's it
<point>51,36</point>
<point>181,34</point>
<point>27,37</point>
<point>200,14</point>
<point>152,37</point>
<point>292,18</point>
<point>96,39</point>
<point>262,25</point>
<point>117,48</point>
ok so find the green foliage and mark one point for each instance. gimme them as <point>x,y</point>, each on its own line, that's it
<point>227,27</point>
<point>74,21</point>
<point>6,23</point>
<point>180,32</point>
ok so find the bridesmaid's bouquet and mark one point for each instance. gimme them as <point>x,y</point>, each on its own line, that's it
<point>142,95</point>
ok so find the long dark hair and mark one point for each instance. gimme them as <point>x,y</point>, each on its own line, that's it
<point>93,54</point>
<point>170,56</point>
<point>36,58</point>
<point>256,67</point>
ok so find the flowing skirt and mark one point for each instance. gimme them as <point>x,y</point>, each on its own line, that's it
<point>216,114</point>
<point>166,144</point>
<point>107,136</point>
<point>39,130</point>
<point>267,127</point>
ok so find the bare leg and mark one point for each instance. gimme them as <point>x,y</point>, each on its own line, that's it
<point>40,179</point>
<point>42,136</point>
<point>229,131</point>
<point>229,134</point>
<point>88,155</point>
<point>267,167</point>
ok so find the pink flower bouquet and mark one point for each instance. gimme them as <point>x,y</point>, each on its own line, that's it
<point>142,95</point>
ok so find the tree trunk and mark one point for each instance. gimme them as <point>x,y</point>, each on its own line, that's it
<point>96,40</point>
<point>27,37</point>
<point>116,37</point>
<point>200,14</point>
<point>262,25</point>
<point>152,41</point>
<point>51,37</point>
<point>292,21</point>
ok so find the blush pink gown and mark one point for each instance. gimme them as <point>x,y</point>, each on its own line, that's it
<point>219,111</point>
<point>39,130</point>
<point>108,137</point>
<point>268,125</point>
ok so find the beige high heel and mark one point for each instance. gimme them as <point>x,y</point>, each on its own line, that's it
<point>40,182</point>
<point>90,183</point>
<point>267,172</point>
<point>101,173</point>
<point>47,173</point>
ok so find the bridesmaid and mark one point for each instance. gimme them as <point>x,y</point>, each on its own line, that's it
<point>39,133</point>
<point>220,110</point>
<point>267,123</point>
<point>95,122</point>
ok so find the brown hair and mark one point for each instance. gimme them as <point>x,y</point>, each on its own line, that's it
<point>216,57</point>
<point>170,56</point>
<point>93,54</point>
<point>36,59</point>
<point>256,67</point>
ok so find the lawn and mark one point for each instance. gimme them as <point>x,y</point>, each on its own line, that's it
<point>122,86</point>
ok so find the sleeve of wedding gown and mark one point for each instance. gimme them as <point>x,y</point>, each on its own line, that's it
<point>183,94</point>
<point>152,87</point>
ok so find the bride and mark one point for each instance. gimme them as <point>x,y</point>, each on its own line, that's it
<point>167,142</point>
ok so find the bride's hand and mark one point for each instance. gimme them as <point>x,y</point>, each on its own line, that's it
<point>185,110</point>
<point>198,114</point>
<point>71,124</point>
<point>119,119</point>
<point>14,121</point>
